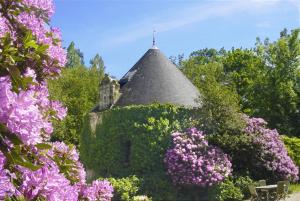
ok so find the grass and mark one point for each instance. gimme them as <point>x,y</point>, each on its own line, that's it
<point>294,188</point>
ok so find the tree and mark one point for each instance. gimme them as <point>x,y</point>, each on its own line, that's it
<point>74,56</point>
<point>78,90</point>
<point>266,78</point>
<point>220,109</point>
<point>204,56</point>
<point>280,99</point>
<point>97,62</point>
<point>177,60</point>
<point>246,73</point>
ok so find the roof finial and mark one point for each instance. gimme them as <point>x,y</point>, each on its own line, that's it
<point>153,41</point>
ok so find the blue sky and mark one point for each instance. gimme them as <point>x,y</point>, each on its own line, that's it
<point>121,31</point>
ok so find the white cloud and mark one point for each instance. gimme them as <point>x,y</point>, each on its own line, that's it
<point>189,15</point>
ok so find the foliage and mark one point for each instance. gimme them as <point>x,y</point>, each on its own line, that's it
<point>125,188</point>
<point>246,72</point>
<point>74,56</point>
<point>265,80</point>
<point>97,62</point>
<point>177,60</point>
<point>280,101</point>
<point>292,145</point>
<point>78,89</point>
<point>191,161</point>
<point>257,151</point>
<point>32,168</point>
<point>205,56</point>
<point>133,140</point>
<point>240,149</point>
<point>242,183</point>
<point>220,108</point>
<point>226,191</point>
<point>141,198</point>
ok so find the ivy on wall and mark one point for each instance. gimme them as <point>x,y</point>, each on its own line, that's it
<point>133,140</point>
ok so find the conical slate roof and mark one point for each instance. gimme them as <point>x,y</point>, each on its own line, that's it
<point>154,78</point>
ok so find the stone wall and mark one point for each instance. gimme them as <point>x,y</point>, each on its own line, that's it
<point>109,92</point>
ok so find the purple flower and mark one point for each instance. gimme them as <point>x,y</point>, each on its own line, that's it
<point>272,154</point>
<point>48,183</point>
<point>7,189</point>
<point>98,190</point>
<point>191,161</point>
<point>61,150</point>
<point>28,116</point>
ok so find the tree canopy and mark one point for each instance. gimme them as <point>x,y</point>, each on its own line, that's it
<point>74,56</point>
<point>78,90</point>
<point>262,81</point>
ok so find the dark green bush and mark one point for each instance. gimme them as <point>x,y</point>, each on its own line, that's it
<point>240,149</point>
<point>225,191</point>
<point>125,188</point>
<point>133,141</point>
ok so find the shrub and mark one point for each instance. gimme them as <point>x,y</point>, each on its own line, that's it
<point>271,159</point>
<point>191,161</point>
<point>225,191</point>
<point>293,147</point>
<point>242,183</point>
<point>125,188</point>
<point>240,149</point>
<point>257,151</point>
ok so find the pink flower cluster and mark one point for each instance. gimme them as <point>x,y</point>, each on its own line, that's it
<point>31,166</point>
<point>47,182</point>
<point>98,190</point>
<point>6,187</point>
<point>191,161</point>
<point>23,113</point>
<point>45,5</point>
<point>42,32</point>
<point>272,154</point>
<point>50,182</point>
<point>69,153</point>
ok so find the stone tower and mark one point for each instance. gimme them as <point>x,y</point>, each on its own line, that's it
<point>109,93</point>
<point>154,78</point>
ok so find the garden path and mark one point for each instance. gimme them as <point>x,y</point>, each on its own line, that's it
<point>294,197</point>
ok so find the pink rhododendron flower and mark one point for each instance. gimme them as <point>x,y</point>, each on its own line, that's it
<point>191,161</point>
<point>272,155</point>
<point>26,116</point>
<point>98,190</point>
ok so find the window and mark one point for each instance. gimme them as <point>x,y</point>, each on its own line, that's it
<point>126,152</point>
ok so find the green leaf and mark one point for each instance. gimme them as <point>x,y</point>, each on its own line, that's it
<point>42,146</point>
<point>32,44</point>
<point>14,139</point>
<point>42,48</point>
<point>29,165</point>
